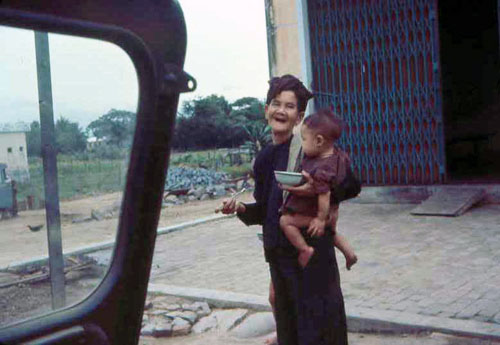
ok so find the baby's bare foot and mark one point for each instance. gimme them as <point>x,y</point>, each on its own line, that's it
<point>305,256</point>
<point>350,260</point>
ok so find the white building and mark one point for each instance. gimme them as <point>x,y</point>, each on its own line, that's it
<point>13,150</point>
<point>94,142</point>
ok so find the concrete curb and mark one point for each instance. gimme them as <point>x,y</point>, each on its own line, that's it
<point>417,194</point>
<point>216,298</point>
<point>42,260</point>
<point>358,319</point>
<point>372,320</point>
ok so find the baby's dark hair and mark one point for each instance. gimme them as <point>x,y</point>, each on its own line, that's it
<point>326,123</point>
<point>289,82</point>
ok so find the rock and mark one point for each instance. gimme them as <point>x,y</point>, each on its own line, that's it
<point>158,312</point>
<point>97,215</point>
<point>172,306</point>
<point>158,327</point>
<point>186,178</point>
<point>204,324</point>
<point>201,308</point>
<point>81,219</point>
<point>190,307</point>
<point>104,213</point>
<point>205,197</point>
<point>148,329</point>
<point>255,325</point>
<point>180,327</point>
<point>198,192</point>
<point>170,199</point>
<point>227,319</point>
<point>148,305</point>
<point>210,190</point>
<point>240,184</point>
<point>188,315</point>
<point>232,187</point>
<point>163,328</point>
<point>219,191</point>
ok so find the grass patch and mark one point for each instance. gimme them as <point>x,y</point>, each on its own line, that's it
<point>218,160</point>
<point>76,178</point>
<point>238,170</point>
<point>81,177</point>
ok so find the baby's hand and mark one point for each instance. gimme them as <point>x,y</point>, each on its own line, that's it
<point>305,189</point>
<point>316,227</point>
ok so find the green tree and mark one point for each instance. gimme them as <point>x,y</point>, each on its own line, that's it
<point>116,127</point>
<point>70,138</point>
<point>33,140</point>
<point>248,109</point>
<point>249,113</point>
<point>259,135</point>
<point>211,121</point>
<point>205,122</point>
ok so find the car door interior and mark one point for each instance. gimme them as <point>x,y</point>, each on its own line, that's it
<point>153,34</point>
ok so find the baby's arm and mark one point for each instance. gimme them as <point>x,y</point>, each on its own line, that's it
<point>317,226</point>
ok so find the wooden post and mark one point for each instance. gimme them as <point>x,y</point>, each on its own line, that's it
<point>47,128</point>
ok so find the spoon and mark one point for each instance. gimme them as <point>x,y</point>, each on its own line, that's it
<point>233,197</point>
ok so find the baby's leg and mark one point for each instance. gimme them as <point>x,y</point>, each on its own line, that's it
<point>343,245</point>
<point>290,225</point>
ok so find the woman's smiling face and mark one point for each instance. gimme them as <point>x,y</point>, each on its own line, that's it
<point>282,113</point>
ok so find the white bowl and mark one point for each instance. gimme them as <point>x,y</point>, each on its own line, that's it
<point>288,178</point>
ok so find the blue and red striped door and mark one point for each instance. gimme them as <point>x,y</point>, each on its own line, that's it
<point>376,63</point>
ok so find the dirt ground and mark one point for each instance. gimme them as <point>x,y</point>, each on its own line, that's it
<point>18,243</point>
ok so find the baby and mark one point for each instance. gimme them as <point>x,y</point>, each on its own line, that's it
<point>327,166</point>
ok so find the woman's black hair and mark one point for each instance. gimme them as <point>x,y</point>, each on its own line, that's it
<point>289,82</point>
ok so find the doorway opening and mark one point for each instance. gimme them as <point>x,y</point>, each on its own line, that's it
<point>470,72</point>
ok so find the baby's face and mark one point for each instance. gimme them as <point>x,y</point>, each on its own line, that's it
<point>309,141</point>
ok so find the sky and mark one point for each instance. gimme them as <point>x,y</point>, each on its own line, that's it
<point>226,54</point>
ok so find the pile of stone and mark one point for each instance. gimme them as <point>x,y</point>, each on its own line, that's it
<point>204,192</point>
<point>179,178</point>
<point>172,319</point>
<point>164,318</point>
<point>183,184</point>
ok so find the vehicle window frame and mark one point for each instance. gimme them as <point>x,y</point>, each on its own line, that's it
<point>124,286</point>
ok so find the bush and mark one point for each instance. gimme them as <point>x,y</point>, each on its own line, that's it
<point>238,170</point>
<point>106,151</point>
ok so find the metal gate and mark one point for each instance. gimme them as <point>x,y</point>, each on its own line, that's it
<point>376,63</point>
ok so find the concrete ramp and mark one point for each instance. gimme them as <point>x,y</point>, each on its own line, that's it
<point>449,201</point>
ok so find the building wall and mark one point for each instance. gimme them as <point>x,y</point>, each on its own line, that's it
<point>13,152</point>
<point>283,37</point>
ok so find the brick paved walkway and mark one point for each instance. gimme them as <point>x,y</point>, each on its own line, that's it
<point>439,266</point>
